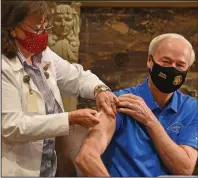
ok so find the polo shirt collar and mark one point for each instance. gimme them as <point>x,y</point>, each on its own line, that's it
<point>145,93</point>
<point>174,102</point>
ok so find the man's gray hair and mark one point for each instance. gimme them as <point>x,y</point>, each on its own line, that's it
<point>155,42</point>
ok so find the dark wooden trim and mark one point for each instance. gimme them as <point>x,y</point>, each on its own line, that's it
<point>140,4</point>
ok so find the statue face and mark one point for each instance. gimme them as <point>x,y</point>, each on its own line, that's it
<point>63,23</point>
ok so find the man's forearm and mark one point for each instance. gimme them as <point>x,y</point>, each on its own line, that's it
<point>172,155</point>
<point>91,164</point>
<point>88,159</point>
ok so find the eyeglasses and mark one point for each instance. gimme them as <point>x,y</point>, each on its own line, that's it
<point>48,29</point>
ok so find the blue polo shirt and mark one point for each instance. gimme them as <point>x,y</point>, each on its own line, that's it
<point>132,152</point>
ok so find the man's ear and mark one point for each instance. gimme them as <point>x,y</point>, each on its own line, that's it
<point>149,62</point>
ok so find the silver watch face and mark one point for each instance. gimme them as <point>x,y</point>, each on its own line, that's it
<point>103,88</point>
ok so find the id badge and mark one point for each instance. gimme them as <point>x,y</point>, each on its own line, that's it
<point>32,104</point>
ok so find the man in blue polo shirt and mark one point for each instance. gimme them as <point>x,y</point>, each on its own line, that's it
<point>155,130</point>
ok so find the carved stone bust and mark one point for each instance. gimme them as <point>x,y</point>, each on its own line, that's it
<point>64,39</point>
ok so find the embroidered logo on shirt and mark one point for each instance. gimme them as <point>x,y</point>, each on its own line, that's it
<point>175,127</point>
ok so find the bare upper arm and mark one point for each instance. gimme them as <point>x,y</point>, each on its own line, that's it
<point>99,137</point>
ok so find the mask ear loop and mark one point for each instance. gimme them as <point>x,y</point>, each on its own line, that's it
<point>24,31</point>
<point>152,59</point>
<point>151,56</point>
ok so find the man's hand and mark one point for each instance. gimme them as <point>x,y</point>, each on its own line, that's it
<point>135,107</point>
<point>107,101</point>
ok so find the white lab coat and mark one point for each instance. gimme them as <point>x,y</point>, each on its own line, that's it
<point>23,132</point>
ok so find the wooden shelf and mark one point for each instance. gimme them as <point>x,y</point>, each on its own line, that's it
<point>140,4</point>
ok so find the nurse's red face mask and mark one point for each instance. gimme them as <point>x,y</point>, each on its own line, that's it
<point>34,42</point>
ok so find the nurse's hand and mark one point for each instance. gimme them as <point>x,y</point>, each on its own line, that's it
<point>107,101</point>
<point>135,107</point>
<point>83,117</point>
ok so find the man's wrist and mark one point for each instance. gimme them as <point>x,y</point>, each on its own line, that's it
<point>100,88</point>
<point>152,123</point>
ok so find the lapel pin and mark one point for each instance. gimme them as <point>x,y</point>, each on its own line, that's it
<point>46,74</point>
<point>46,67</point>
<point>26,79</point>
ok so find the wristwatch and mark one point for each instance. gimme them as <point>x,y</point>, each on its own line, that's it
<point>100,88</point>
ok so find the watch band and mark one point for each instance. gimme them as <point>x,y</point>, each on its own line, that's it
<point>100,88</point>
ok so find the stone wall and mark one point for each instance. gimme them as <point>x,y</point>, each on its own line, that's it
<point>114,42</point>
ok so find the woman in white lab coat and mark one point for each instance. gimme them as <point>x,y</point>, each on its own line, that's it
<point>32,79</point>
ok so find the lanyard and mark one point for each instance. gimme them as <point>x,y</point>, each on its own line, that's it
<point>26,78</point>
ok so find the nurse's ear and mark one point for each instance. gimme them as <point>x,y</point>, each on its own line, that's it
<point>13,33</point>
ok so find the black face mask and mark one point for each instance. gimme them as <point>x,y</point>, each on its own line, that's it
<point>167,79</point>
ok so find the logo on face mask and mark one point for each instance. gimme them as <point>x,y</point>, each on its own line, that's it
<point>162,75</point>
<point>177,80</point>
<point>167,79</point>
